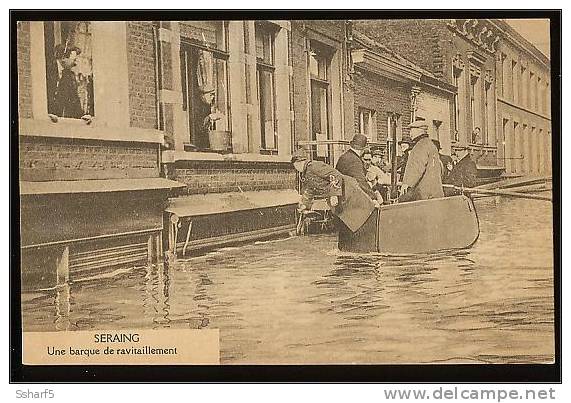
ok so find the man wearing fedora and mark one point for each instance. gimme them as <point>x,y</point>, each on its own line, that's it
<point>422,177</point>
<point>351,164</point>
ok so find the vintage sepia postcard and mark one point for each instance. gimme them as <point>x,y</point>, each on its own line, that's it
<point>269,190</point>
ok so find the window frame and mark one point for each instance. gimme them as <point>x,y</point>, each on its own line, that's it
<point>318,48</point>
<point>47,77</point>
<point>268,67</point>
<point>187,45</point>
<point>372,122</point>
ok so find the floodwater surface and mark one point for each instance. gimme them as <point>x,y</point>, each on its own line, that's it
<point>300,300</point>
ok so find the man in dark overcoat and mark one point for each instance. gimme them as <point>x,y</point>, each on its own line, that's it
<point>445,161</point>
<point>351,164</point>
<point>465,172</point>
<point>422,175</point>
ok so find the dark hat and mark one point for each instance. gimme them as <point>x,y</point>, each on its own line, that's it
<point>206,88</point>
<point>405,139</point>
<point>61,51</point>
<point>358,142</point>
<point>299,155</point>
<point>437,144</point>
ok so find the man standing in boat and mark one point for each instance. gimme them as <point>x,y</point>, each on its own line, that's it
<point>464,174</point>
<point>422,175</point>
<point>351,164</point>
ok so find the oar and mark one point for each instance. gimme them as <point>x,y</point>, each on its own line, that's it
<point>499,193</point>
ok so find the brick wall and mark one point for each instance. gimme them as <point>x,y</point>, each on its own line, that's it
<point>44,159</point>
<point>142,85</point>
<point>417,40</point>
<point>224,176</point>
<point>383,96</point>
<point>299,82</point>
<point>24,70</point>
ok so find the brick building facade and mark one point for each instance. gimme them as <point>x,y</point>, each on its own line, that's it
<point>460,53</point>
<point>183,126</point>
<point>91,191</point>
<point>390,92</point>
<point>322,90</point>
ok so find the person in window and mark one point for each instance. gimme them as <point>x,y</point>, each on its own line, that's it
<point>476,136</point>
<point>464,173</point>
<point>210,115</point>
<point>66,102</point>
<point>422,178</point>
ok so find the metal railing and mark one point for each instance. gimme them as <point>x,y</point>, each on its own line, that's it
<point>329,150</point>
<point>482,154</point>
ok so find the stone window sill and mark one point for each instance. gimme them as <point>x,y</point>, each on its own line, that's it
<point>173,156</point>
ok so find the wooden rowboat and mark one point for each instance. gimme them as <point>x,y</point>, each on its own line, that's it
<point>416,227</point>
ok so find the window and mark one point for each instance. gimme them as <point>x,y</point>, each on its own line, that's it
<point>532,90</point>
<point>524,83</point>
<point>505,140</point>
<point>474,101</point>
<point>488,112</point>
<point>266,86</point>
<point>204,78</point>
<point>539,93</point>
<point>514,155</point>
<point>506,74</point>
<point>533,151</point>
<point>515,95</point>
<point>319,76</point>
<point>368,123</point>
<point>69,73</point>
<point>501,76</point>
<point>394,128</point>
<point>458,82</point>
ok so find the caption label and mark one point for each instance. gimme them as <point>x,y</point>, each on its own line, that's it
<point>131,347</point>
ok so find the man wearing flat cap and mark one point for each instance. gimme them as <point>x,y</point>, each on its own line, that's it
<point>343,193</point>
<point>351,164</point>
<point>422,175</point>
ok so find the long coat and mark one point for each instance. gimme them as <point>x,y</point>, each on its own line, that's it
<point>422,172</point>
<point>351,164</point>
<point>464,173</point>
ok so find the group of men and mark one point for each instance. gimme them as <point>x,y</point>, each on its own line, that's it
<point>421,170</point>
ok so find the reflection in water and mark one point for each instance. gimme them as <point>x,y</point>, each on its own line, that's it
<point>299,300</point>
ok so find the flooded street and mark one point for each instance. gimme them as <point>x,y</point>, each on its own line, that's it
<point>299,300</point>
